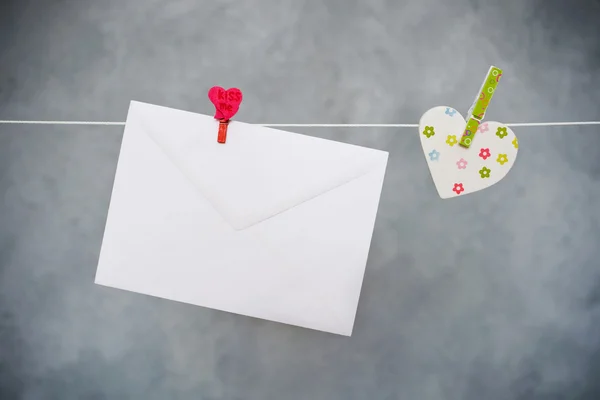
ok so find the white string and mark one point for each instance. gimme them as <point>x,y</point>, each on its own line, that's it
<point>108,123</point>
<point>62,123</point>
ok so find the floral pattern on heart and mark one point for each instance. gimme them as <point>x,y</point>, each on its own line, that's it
<point>502,159</point>
<point>428,131</point>
<point>456,170</point>
<point>485,153</point>
<point>451,140</point>
<point>458,188</point>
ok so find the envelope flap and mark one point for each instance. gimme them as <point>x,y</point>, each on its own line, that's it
<point>260,172</point>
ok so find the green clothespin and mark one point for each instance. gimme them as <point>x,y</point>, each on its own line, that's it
<point>469,132</point>
<point>480,105</point>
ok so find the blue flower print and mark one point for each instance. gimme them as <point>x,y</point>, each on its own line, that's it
<point>434,155</point>
<point>450,111</point>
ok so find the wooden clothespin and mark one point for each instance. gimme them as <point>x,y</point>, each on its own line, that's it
<point>227,103</point>
<point>480,105</point>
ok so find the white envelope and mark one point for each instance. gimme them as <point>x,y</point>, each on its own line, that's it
<point>273,225</point>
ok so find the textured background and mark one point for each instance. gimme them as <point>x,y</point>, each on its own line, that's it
<point>493,296</point>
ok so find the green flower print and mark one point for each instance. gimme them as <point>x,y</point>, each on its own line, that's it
<point>485,172</point>
<point>429,131</point>
<point>515,143</point>
<point>501,132</point>
<point>502,159</point>
<point>451,140</point>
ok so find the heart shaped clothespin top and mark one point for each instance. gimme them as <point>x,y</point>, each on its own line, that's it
<point>227,103</point>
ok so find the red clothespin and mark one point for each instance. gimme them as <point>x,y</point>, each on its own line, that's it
<point>227,103</point>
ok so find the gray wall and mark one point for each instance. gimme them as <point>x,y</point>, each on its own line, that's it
<point>492,296</point>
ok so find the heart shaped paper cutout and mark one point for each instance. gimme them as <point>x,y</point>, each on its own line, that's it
<point>227,102</point>
<point>456,170</point>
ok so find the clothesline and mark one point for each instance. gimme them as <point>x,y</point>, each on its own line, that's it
<point>108,123</point>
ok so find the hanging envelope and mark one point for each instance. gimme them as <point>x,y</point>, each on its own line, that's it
<point>273,225</point>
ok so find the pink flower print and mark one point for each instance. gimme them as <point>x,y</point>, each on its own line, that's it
<point>462,163</point>
<point>483,127</point>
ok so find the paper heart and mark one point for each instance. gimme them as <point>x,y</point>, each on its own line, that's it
<point>227,102</point>
<point>457,170</point>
